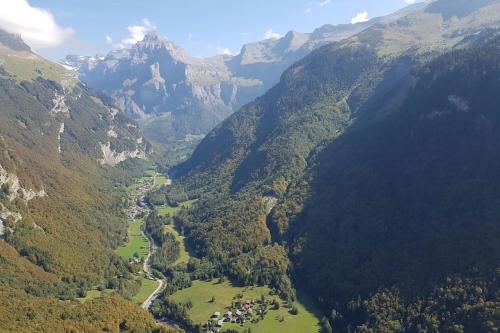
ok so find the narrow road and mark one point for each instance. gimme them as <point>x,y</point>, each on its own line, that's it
<point>147,269</point>
<point>148,272</point>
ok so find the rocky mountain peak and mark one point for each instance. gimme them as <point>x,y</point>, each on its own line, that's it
<point>295,40</point>
<point>154,41</point>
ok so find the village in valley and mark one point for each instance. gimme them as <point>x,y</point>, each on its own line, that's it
<point>241,312</point>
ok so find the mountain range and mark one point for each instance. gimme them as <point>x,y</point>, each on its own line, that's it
<point>357,165</point>
<point>181,98</point>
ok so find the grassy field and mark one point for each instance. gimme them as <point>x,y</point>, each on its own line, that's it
<point>93,294</point>
<point>136,242</point>
<point>147,288</point>
<point>201,293</point>
<point>167,210</point>
<point>28,67</point>
<point>160,180</point>
<point>184,254</point>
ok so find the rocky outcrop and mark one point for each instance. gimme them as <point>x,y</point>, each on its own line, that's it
<point>10,185</point>
<point>112,157</point>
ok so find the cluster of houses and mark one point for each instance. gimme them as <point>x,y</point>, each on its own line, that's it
<point>239,316</point>
<point>139,205</point>
<point>138,208</point>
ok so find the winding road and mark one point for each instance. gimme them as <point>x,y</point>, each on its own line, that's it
<point>147,269</point>
<point>149,274</point>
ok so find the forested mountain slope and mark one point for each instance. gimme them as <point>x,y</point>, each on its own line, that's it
<point>60,213</point>
<point>267,176</point>
<point>411,199</point>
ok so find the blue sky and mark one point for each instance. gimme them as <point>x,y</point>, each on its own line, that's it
<point>202,27</point>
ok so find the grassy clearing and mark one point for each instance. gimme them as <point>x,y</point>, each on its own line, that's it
<point>147,288</point>
<point>132,189</point>
<point>137,243</point>
<point>306,321</point>
<point>160,180</point>
<point>28,67</point>
<point>93,294</point>
<point>167,210</point>
<point>184,254</point>
<point>201,293</point>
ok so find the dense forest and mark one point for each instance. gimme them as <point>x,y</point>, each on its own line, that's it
<point>412,201</point>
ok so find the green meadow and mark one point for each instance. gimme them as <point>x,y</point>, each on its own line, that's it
<point>160,180</point>
<point>223,294</point>
<point>184,254</point>
<point>167,210</point>
<point>93,294</point>
<point>136,243</point>
<point>147,288</point>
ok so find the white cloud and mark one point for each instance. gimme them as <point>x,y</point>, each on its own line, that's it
<point>224,50</point>
<point>410,2</point>
<point>220,49</point>
<point>35,25</point>
<point>270,34</point>
<point>137,33</point>
<point>109,40</point>
<point>324,2</point>
<point>308,10</point>
<point>360,17</point>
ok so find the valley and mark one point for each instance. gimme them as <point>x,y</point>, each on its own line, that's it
<point>206,296</point>
<point>139,248</point>
<point>344,180</point>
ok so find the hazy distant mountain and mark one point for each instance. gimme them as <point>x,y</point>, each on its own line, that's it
<point>154,78</point>
<point>178,97</point>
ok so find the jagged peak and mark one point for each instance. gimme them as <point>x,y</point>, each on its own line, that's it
<point>154,36</point>
<point>294,39</point>
<point>154,41</point>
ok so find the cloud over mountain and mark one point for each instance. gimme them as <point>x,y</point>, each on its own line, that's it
<point>37,26</point>
<point>137,33</point>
